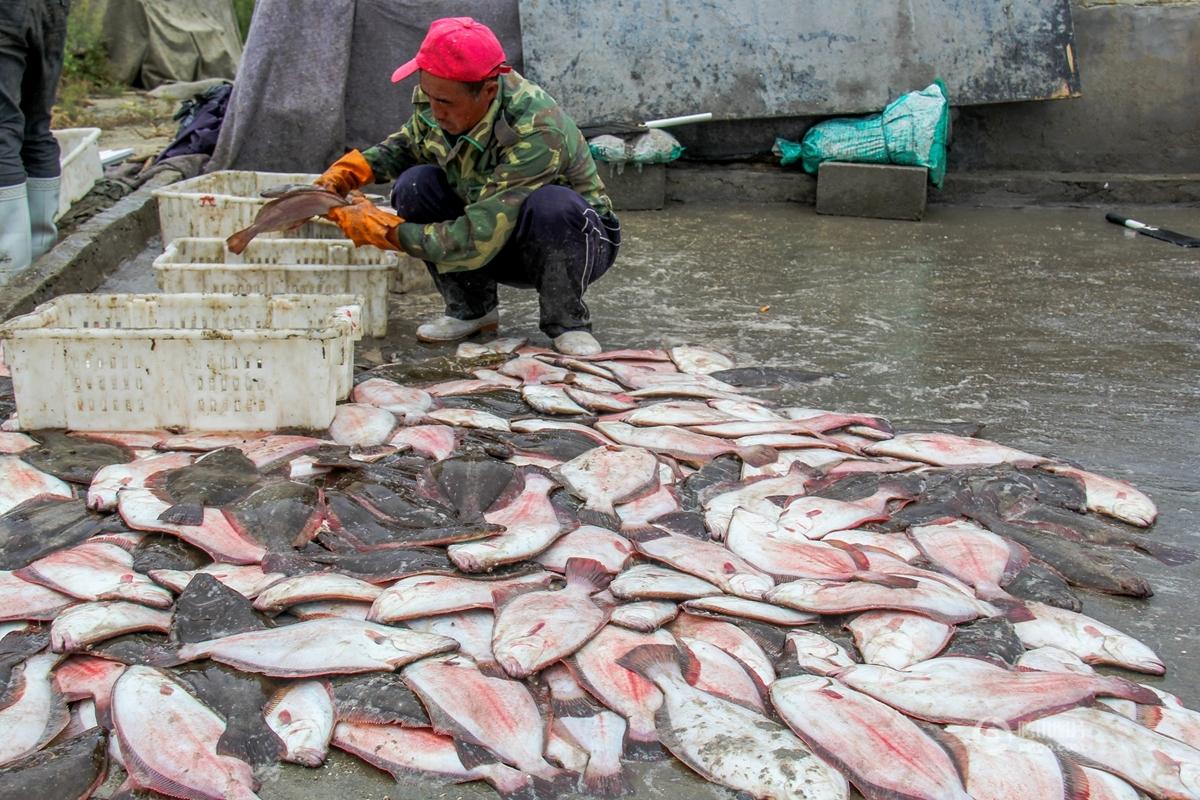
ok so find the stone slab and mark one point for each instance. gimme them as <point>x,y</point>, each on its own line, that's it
<point>883,191</point>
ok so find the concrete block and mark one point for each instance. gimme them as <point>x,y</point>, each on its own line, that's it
<point>871,190</point>
<point>635,188</point>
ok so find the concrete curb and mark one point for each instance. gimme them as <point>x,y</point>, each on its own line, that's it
<point>80,262</point>
<point>1011,189</point>
<point>767,183</point>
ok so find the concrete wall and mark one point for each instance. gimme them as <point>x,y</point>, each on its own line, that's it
<point>1139,112</point>
<point>1139,65</point>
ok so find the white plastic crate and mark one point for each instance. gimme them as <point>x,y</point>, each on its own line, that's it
<point>220,204</point>
<point>80,160</point>
<point>189,361</point>
<point>283,266</point>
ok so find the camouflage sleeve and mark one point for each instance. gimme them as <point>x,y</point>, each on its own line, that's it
<point>472,240</point>
<point>396,153</point>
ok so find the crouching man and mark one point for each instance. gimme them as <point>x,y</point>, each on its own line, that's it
<point>494,184</point>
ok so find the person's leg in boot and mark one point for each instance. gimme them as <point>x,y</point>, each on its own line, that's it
<point>560,246</point>
<point>14,205</point>
<point>40,151</point>
<point>422,194</point>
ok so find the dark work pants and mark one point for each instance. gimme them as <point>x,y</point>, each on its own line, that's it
<point>560,246</point>
<point>32,36</point>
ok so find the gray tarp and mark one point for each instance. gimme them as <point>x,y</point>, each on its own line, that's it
<point>307,92</point>
<point>151,42</point>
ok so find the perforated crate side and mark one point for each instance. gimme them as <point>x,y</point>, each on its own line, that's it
<point>103,365</point>
<point>221,203</point>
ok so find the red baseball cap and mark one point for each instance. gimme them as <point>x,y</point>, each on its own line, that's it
<point>457,49</point>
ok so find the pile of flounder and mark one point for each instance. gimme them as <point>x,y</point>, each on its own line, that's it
<point>556,567</point>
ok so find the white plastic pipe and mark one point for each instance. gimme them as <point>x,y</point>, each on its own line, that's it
<point>671,121</point>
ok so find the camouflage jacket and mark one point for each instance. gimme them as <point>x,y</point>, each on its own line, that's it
<point>524,142</point>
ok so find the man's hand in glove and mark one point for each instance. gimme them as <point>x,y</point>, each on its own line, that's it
<point>365,223</point>
<point>351,171</point>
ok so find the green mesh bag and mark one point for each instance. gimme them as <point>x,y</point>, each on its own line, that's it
<point>911,131</point>
<point>916,128</point>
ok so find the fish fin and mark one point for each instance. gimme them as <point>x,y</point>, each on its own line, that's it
<point>654,532</point>
<point>345,713</point>
<point>1012,609</point>
<point>634,750</point>
<point>600,518</point>
<point>183,514</point>
<point>683,523</point>
<point>1166,554</point>
<point>1128,690</point>
<point>691,664</point>
<point>541,788</point>
<point>239,241</point>
<point>959,755</point>
<point>606,784</point>
<point>758,456</point>
<point>860,560</point>
<point>313,525</point>
<point>258,748</point>
<point>629,531</point>
<point>886,579</point>
<point>587,572</point>
<point>1018,559</point>
<point>492,669</point>
<point>473,755</point>
<point>581,706</point>
<point>646,659</point>
<point>1075,781</point>
<point>510,492</point>
<point>503,595</point>
<point>512,784</point>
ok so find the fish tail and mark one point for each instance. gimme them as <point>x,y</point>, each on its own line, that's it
<point>587,572</point>
<point>543,787</point>
<point>1171,556</point>
<point>606,784</point>
<point>648,660</point>
<point>1012,609</point>
<point>642,750</point>
<point>183,514</point>
<point>600,518</point>
<point>573,707</point>
<point>238,241</point>
<point>504,594</point>
<point>758,456</point>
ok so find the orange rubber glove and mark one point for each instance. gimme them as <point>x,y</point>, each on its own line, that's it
<point>365,223</point>
<point>351,171</point>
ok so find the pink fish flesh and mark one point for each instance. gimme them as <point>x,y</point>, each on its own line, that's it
<point>168,740</point>
<point>851,731</point>
<point>320,647</point>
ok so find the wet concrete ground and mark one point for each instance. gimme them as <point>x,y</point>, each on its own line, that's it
<point>1062,333</point>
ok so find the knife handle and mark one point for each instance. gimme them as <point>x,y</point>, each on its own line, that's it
<point>1117,219</point>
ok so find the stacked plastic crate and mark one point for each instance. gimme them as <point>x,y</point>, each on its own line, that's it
<point>197,215</point>
<point>258,341</point>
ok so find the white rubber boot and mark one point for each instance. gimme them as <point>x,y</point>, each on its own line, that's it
<point>14,232</point>
<point>576,343</point>
<point>449,329</point>
<point>43,208</point>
